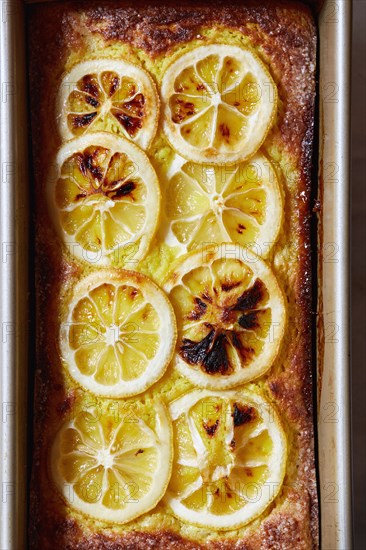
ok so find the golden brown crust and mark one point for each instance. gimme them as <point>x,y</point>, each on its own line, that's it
<point>284,35</point>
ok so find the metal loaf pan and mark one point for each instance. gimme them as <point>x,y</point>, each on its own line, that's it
<point>333,406</point>
<point>333,383</point>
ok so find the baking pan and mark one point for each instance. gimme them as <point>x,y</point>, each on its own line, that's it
<point>333,418</point>
<point>13,277</point>
<point>333,421</point>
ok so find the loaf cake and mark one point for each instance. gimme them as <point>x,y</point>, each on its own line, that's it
<point>172,150</point>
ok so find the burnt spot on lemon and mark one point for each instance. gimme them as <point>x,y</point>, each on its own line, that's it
<point>243,414</point>
<point>82,121</point>
<point>131,124</point>
<point>210,353</point>
<point>182,109</point>
<point>211,428</point>
<point>251,297</point>
<point>125,189</point>
<point>90,85</point>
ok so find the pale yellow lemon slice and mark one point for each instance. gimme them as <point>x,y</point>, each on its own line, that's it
<point>219,102</point>
<point>240,203</point>
<point>119,333</point>
<point>111,468</point>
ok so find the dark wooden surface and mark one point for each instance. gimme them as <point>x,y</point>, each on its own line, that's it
<point>358,276</point>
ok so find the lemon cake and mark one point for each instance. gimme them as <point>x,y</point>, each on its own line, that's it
<point>172,151</point>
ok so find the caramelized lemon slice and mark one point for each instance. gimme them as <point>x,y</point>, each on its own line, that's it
<point>110,468</point>
<point>229,458</point>
<point>240,203</point>
<point>110,95</point>
<point>230,314</point>
<point>104,198</point>
<point>219,102</point>
<point>119,333</point>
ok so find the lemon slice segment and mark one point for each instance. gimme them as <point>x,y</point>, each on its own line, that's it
<point>104,198</point>
<point>229,458</point>
<point>119,333</point>
<point>112,469</point>
<point>230,313</point>
<point>110,95</point>
<point>219,102</point>
<point>240,203</point>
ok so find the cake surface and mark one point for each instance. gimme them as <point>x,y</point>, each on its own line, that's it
<point>153,37</point>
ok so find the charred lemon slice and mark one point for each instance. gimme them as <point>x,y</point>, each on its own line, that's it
<point>230,314</point>
<point>219,102</point>
<point>119,333</point>
<point>110,468</point>
<point>229,458</point>
<point>240,203</point>
<point>110,95</point>
<point>104,197</point>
